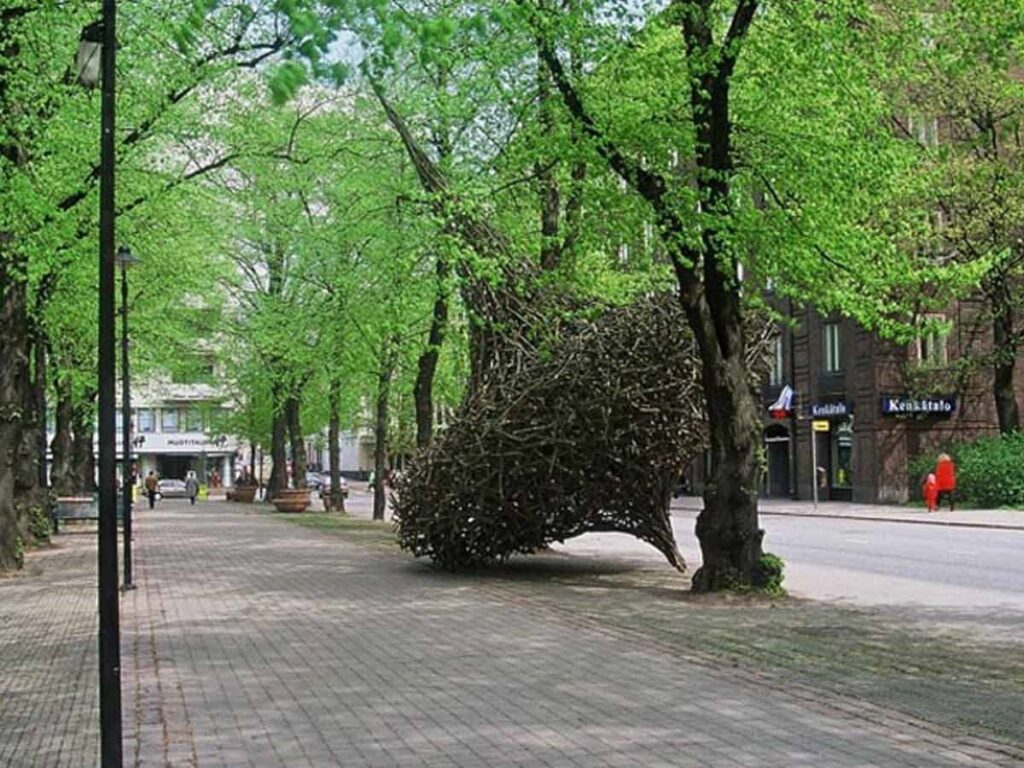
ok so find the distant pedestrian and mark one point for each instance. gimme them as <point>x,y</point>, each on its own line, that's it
<point>930,492</point>
<point>945,479</point>
<point>191,487</point>
<point>151,488</point>
<point>215,479</point>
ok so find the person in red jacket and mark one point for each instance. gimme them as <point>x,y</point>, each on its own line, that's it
<point>945,479</point>
<point>930,492</point>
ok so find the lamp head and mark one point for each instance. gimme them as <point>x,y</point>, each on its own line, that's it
<point>125,258</point>
<point>90,55</point>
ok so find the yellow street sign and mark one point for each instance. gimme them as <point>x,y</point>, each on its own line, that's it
<point>819,425</point>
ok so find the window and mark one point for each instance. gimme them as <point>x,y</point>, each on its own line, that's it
<point>193,420</point>
<point>147,420</point>
<point>832,348</point>
<point>778,370</point>
<point>932,347</point>
<point>169,420</point>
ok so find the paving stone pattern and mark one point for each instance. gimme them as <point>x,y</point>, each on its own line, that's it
<point>253,642</point>
<point>267,644</point>
<point>49,708</point>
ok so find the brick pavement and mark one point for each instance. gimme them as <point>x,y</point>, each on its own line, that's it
<point>49,708</point>
<point>252,642</point>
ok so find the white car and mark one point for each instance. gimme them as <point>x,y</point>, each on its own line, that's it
<point>325,488</point>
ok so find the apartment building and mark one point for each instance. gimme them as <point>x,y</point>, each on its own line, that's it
<point>845,409</point>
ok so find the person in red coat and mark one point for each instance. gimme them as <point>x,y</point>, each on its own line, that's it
<point>930,492</point>
<point>945,479</point>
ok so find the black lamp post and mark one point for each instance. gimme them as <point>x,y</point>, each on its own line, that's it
<point>125,260</point>
<point>97,51</point>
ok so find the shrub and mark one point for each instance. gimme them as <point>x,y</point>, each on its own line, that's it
<point>770,574</point>
<point>989,471</point>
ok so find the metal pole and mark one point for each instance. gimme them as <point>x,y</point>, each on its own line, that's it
<point>814,465</point>
<point>127,484</point>
<point>109,606</point>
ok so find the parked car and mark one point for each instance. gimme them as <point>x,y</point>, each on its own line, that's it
<point>171,489</point>
<point>314,481</point>
<point>325,487</point>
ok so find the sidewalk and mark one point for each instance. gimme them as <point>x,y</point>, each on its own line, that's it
<point>970,518</point>
<point>252,641</point>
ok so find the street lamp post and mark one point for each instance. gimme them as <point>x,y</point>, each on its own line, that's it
<point>125,260</point>
<point>98,46</point>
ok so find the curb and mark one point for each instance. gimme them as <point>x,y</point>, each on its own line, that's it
<point>905,520</point>
<point>869,518</point>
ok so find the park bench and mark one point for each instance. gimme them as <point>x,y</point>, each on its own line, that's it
<point>79,508</point>
<point>74,508</point>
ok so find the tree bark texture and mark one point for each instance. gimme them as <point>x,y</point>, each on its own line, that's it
<point>14,375</point>
<point>278,450</point>
<point>293,412</point>
<point>334,446</point>
<point>62,474</point>
<point>380,431</point>
<point>40,390</point>
<point>83,456</point>
<point>426,368</point>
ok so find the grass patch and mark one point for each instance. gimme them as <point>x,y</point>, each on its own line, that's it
<point>366,532</point>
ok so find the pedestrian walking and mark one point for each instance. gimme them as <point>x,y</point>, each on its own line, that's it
<point>930,492</point>
<point>945,479</point>
<point>151,488</point>
<point>191,487</point>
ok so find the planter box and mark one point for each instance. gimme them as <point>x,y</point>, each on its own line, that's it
<point>292,500</point>
<point>245,494</point>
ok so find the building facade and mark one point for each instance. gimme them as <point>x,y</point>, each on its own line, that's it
<point>178,428</point>
<point>850,412</point>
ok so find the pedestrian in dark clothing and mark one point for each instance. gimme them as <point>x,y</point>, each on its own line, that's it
<point>191,487</point>
<point>151,488</point>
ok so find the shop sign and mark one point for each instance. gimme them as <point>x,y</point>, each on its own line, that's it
<point>830,410</point>
<point>183,442</point>
<point>918,406</point>
<point>820,426</point>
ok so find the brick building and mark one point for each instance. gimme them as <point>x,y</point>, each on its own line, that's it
<point>867,392</point>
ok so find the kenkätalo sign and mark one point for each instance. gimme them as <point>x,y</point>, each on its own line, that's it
<point>830,410</point>
<point>918,406</point>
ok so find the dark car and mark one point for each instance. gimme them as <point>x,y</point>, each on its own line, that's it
<point>171,489</point>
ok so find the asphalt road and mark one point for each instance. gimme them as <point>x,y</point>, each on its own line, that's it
<point>868,562</point>
<point>861,562</point>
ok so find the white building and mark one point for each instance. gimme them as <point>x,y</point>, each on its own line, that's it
<point>177,428</point>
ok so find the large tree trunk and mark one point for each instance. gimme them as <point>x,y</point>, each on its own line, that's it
<point>278,451</point>
<point>334,447</point>
<point>1004,367</point>
<point>62,475</point>
<point>709,286</point>
<point>380,431</point>
<point>727,528</point>
<point>40,362</point>
<point>293,408</point>
<point>13,333</point>
<point>423,389</point>
<point>13,382</point>
<point>83,456</point>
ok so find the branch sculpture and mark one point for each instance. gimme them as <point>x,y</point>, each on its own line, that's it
<point>590,434</point>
